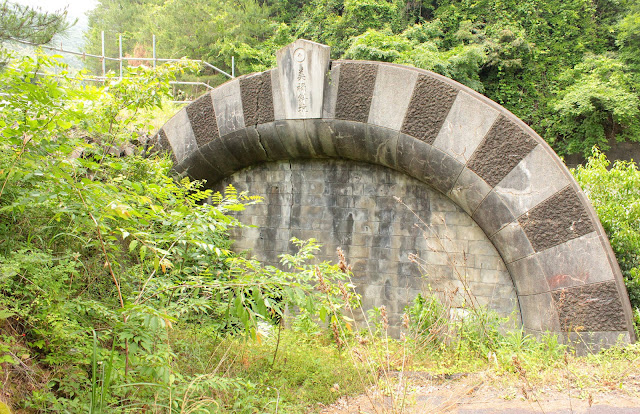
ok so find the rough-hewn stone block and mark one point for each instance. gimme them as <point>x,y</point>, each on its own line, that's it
<point>505,145</point>
<point>429,106</point>
<point>257,98</point>
<point>355,91</point>
<point>595,307</point>
<point>560,218</point>
<point>203,119</point>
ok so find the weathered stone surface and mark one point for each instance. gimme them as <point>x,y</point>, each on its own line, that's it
<point>528,276</point>
<point>217,154</point>
<point>469,191</point>
<point>350,140</point>
<point>269,140</point>
<point>505,145</point>
<point>595,307</point>
<point>560,218</point>
<point>203,119</point>
<point>180,135</point>
<point>293,136</point>
<point>276,96</point>
<point>302,68</point>
<point>257,98</point>
<point>197,168</point>
<point>227,104</point>
<point>411,155</point>
<point>429,106</point>
<point>331,91</point>
<point>163,145</point>
<point>391,96</point>
<point>538,312</point>
<point>355,91</point>
<point>321,131</point>
<point>466,125</point>
<point>525,186</point>
<point>492,214</point>
<point>307,198</point>
<point>441,171</point>
<point>382,144</point>
<point>512,242</point>
<point>246,148</point>
<point>576,262</point>
<point>593,342</point>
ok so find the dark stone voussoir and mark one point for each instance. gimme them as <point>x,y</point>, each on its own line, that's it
<point>203,120</point>
<point>595,307</point>
<point>560,218</point>
<point>161,143</point>
<point>257,99</point>
<point>505,145</point>
<point>355,91</point>
<point>246,148</point>
<point>197,168</point>
<point>430,103</point>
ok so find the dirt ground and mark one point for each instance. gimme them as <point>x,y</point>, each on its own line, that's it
<point>479,394</point>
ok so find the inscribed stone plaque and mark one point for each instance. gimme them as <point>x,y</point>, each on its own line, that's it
<point>302,68</point>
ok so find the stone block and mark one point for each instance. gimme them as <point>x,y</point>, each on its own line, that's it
<point>595,307</point>
<point>203,119</point>
<point>528,276</point>
<point>512,242</point>
<point>227,104</point>
<point>355,91</point>
<point>538,312</point>
<point>350,140</point>
<point>469,191</point>
<point>257,98</point>
<point>530,182</point>
<point>576,262</point>
<point>441,171</point>
<point>198,168</point>
<point>294,138</point>
<point>411,155</point>
<point>246,148</point>
<point>180,135</point>
<point>322,132</point>
<point>593,342</point>
<point>505,145</point>
<point>382,144</point>
<point>217,154</point>
<point>492,214</point>
<point>331,91</point>
<point>560,218</point>
<point>269,140</point>
<point>391,96</point>
<point>467,123</point>
<point>302,68</point>
<point>430,103</point>
<point>277,96</point>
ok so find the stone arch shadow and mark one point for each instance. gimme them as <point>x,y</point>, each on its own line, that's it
<point>426,126</point>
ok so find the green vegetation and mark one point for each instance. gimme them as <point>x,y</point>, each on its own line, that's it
<point>567,68</point>
<point>118,291</point>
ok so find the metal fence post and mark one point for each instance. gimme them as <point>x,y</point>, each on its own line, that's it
<point>104,67</point>
<point>154,51</point>
<point>233,66</point>
<point>120,58</point>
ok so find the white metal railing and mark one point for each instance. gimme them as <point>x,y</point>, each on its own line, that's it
<point>103,58</point>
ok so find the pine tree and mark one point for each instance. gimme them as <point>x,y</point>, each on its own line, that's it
<point>30,24</point>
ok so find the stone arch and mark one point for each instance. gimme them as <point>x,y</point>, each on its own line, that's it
<point>482,157</point>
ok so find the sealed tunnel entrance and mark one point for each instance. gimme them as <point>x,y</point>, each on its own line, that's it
<point>355,206</point>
